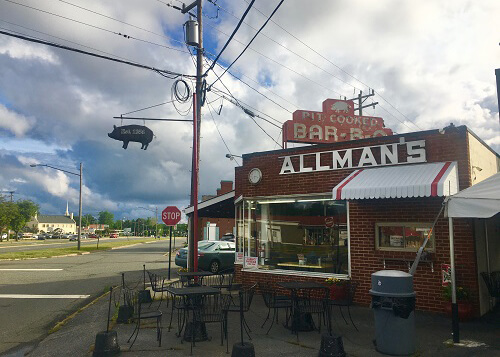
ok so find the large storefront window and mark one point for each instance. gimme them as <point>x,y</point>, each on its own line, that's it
<point>305,234</point>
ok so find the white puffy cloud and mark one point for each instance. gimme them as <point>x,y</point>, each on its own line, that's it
<point>16,123</point>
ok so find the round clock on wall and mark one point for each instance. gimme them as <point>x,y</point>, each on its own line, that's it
<point>254,176</point>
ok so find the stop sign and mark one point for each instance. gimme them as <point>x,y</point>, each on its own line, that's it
<point>171,216</point>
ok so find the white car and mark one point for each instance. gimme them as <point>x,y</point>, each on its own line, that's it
<point>4,235</point>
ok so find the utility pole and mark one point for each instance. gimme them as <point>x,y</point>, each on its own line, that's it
<point>80,209</point>
<point>192,239</point>
<point>361,99</point>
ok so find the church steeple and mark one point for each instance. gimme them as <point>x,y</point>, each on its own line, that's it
<point>67,209</point>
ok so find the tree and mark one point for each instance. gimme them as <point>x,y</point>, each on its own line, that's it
<point>27,209</point>
<point>8,212</point>
<point>88,219</point>
<point>106,217</point>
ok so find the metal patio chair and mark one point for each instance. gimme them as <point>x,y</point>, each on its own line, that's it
<point>348,301</point>
<point>132,299</point>
<point>211,309</point>
<point>275,302</point>
<point>158,285</point>
<point>246,297</point>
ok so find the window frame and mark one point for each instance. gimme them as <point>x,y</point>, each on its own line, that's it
<point>430,247</point>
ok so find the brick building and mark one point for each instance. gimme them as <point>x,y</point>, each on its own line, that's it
<point>215,213</point>
<point>351,208</point>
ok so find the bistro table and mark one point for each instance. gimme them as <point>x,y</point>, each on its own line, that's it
<point>301,321</point>
<point>191,293</point>
<point>191,275</point>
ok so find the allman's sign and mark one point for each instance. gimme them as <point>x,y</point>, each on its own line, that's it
<point>368,156</point>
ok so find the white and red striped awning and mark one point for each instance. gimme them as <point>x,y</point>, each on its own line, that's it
<point>420,180</point>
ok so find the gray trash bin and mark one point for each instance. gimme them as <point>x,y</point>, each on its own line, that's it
<point>393,304</point>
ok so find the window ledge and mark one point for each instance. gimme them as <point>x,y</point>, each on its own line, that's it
<point>296,273</point>
<point>407,261</point>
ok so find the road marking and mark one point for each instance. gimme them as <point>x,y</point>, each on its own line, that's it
<point>30,269</point>
<point>32,296</point>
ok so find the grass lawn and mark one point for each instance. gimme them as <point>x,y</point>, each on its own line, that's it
<point>53,252</point>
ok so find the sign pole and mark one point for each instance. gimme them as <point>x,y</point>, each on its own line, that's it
<point>170,253</point>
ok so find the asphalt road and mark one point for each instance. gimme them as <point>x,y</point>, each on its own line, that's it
<point>73,281</point>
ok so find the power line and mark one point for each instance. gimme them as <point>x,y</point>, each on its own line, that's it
<point>63,39</point>
<point>257,91</point>
<point>152,106</point>
<point>97,27</point>
<point>249,114</point>
<point>281,45</point>
<point>122,22</point>
<point>34,39</point>
<point>220,134</point>
<point>249,43</point>
<point>264,56</point>
<point>231,36</point>
<point>333,64</point>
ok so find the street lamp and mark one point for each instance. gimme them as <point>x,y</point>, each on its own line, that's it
<point>80,200</point>
<point>156,217</point>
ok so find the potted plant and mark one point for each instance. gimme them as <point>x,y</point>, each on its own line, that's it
<point>465,310</point>
<point>338,288</point>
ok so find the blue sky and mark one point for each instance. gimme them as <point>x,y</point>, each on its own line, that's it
<point>430,63</point>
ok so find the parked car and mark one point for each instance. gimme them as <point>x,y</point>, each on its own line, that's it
<point>229,237</point>
<point>92,235</point>
<point>73,238</point>
<point>213,256</point>
<point>39,237</point>
<point>4,235</point>
<point>113,235</point>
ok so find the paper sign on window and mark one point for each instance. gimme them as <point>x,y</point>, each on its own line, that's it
<point>250,262</point>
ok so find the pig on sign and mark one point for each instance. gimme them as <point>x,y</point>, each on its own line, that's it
<point>137,133</point>
<point>171,215</point>
<point>340,107</point>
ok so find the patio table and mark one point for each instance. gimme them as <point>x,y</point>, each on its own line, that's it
<point>301,321</point>
<point>190,293</point>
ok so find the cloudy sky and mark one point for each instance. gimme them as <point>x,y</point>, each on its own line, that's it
<point>430,63</point>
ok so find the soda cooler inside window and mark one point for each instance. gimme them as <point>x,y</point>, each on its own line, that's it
<point>403,236</point>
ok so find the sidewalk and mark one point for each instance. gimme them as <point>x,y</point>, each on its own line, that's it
<point>77,337</point>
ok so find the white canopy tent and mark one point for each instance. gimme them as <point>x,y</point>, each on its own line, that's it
<point>479,201</point>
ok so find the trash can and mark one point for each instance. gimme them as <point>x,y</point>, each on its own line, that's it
<point>393,304</point>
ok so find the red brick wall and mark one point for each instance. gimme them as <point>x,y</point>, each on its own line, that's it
<point>225,225</point>
<point>365,259</point>
<point>452,145</point>
<point>225,187</point>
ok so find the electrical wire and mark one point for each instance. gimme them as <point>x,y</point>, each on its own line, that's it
<point>220,134</point>
<point>182,96</point>
<point>63,39</point>
<point>257,91</point>
<point>231,36</point>
<point>283,46</point>
<point>167,73</point>
<point>250,114</point>
<point>335,65</point>
<point>122,22</point>
<point>240,103</point>
<point>279,63</point>
<point>97,27</point>
<point>152,106</point>
<point>250,42</point>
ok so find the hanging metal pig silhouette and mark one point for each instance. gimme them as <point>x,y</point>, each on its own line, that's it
<point>137,133</point>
